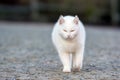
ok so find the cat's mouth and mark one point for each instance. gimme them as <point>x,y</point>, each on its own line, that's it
<point>69,38</point>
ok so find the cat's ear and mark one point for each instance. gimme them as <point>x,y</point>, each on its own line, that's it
<point>76,19</point>
<point>61,19</point>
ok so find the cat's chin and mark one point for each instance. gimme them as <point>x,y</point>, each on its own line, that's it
<point>69,39</point>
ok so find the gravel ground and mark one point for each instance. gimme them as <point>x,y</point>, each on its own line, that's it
<point>27,52</point>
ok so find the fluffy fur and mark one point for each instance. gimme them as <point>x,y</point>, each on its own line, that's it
<point>68,37</point>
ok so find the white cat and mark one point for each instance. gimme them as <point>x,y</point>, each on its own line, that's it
<point>68,37</point>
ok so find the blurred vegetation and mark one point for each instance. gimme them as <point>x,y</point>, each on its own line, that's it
<point>89,11</point>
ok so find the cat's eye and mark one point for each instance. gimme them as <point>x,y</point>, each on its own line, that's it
<point>72,30</point>
<point>65,30</point>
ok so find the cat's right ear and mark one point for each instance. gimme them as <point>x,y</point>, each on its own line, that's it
<point>76,19</point>
<point>61,19</point>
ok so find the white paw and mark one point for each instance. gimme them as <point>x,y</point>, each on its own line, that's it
<point>66,70</point>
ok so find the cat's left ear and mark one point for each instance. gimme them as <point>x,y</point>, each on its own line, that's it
<point>76,19</point>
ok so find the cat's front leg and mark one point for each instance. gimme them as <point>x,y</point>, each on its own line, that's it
<point>78,59</point>
<point>65,59</point>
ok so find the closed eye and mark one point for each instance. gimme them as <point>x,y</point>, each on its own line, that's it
<point>65,30</point>
<point>72,30</point>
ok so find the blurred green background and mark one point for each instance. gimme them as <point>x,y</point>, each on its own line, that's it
<point>101,12</point>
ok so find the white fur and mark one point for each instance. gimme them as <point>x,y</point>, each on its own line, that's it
<point>68,37</point>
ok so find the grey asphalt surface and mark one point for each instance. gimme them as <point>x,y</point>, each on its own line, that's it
<point>27,53</point>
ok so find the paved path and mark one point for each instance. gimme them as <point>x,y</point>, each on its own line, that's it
<point>27,52</point>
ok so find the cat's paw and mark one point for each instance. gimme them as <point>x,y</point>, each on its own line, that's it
<point>76,69</point>
<point>66,70</point>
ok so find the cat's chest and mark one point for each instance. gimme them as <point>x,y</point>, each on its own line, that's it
<point>69,46</point>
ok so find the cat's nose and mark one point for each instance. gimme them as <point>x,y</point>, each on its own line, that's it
<point>68,36</point>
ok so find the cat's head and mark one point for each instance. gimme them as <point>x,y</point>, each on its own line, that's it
<point>69,27</point>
